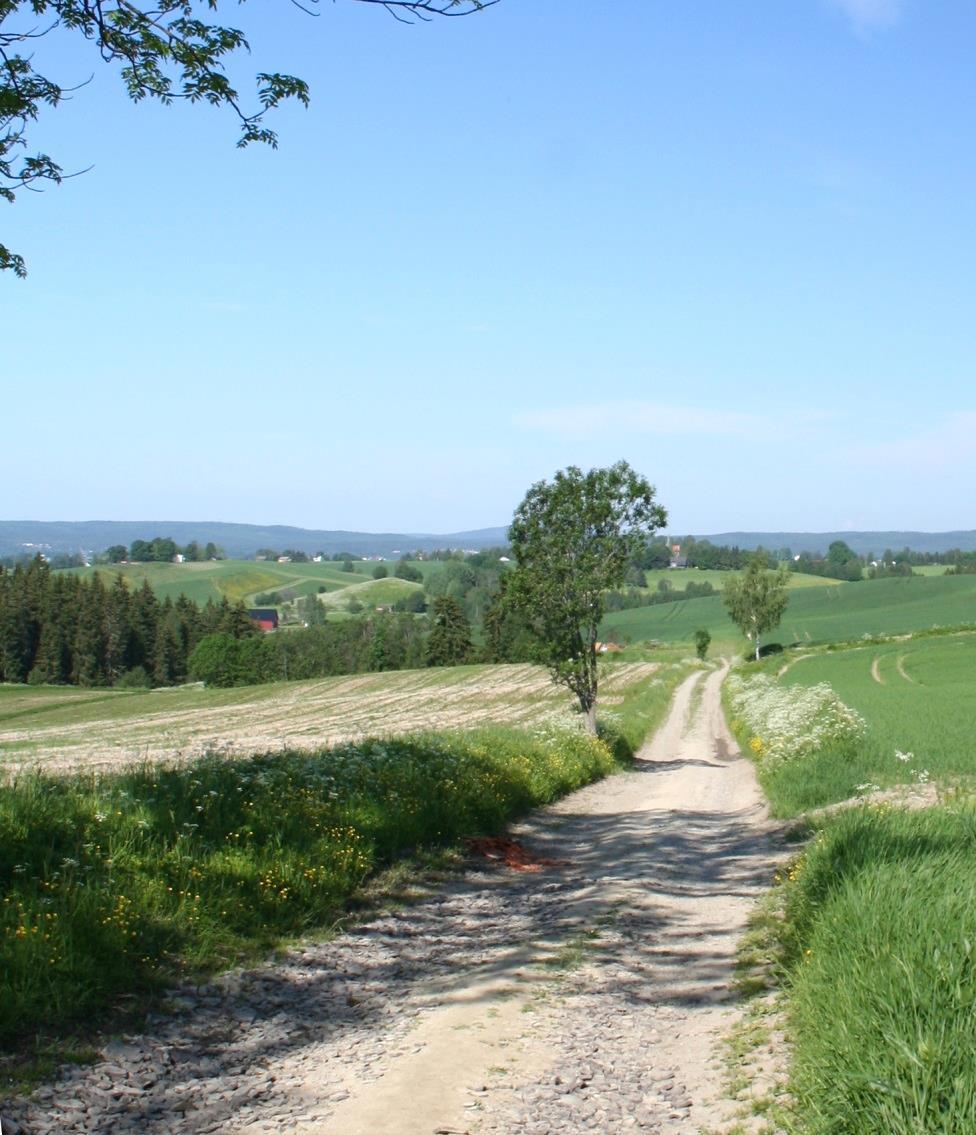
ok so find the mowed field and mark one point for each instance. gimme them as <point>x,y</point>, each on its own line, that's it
<point>837,613</point>
<point>60,728</point>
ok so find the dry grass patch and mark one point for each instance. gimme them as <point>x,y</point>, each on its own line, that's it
<point>185,723</point>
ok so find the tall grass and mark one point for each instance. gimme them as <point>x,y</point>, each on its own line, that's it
<point>880,945</point>
<point>118,883</point>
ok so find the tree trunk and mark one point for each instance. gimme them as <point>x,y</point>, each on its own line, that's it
<point>589,717</point>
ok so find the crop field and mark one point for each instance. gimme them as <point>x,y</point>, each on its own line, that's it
<point>60,728</point>
<point>842,612</point>
<point>916,697</point>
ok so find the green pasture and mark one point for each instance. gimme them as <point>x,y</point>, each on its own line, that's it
<point>372,592</point>
<point>679,578</point>
<point>837,613</point>
<point>235,580</point>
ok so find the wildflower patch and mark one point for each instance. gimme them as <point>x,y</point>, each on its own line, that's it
<point>120,883</point>
<point>785,723</point>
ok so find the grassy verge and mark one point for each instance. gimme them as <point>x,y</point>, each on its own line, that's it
<point>806,742</point>
<point>873,942</point>
<point>879,953</point>
<point>119,884</point>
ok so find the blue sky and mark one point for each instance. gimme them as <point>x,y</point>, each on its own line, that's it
<point>732,244</point>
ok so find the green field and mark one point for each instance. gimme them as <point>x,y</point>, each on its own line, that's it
<point>258,822</point>
<point>916,697</point>
<point>372,592</point>
<point>244,580</point>
<point>874,930</point>
<point>232,579</point>
<point>679,579</point>
<point>841,612</point>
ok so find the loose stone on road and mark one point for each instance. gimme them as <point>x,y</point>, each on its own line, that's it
<point>586,997</point>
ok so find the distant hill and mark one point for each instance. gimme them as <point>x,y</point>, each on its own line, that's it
<point>242,540</point>
<point>861,542</point>
<point>238,540</point>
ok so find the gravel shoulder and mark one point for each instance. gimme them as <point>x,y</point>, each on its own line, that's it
<point>589,996</point>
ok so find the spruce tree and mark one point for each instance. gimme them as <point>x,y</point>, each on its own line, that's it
<point>449,642</point>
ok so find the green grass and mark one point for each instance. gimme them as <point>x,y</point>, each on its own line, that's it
<point>234,580</point>
<point>121,883</point>
<point>922,705</point>
<point>818,614</point>
<point>373,592</point>
<point>680,578</point>
<point>880,958</point>
<point>876,946</point>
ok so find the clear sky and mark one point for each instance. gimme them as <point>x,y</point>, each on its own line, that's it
<point>731,243</point>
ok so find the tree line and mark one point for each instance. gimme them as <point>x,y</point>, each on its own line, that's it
<point>160,550</point>
<point>380,641</point>
<point>62,628</point>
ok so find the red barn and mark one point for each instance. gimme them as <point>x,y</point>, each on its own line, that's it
<point>265,617</point>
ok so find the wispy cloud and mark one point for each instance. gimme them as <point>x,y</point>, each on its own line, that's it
<point>950,443</point>
<point>867,14</point>
<point>659,419</point>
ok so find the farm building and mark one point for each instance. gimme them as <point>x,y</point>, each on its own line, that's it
<point>265,617</point>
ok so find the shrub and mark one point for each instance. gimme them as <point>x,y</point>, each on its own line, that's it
<point>134,679</point>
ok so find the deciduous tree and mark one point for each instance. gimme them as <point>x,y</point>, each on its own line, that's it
<point>573,538</point>
<point>756,599</point>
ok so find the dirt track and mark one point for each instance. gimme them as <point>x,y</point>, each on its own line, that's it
<point>585,997</point>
